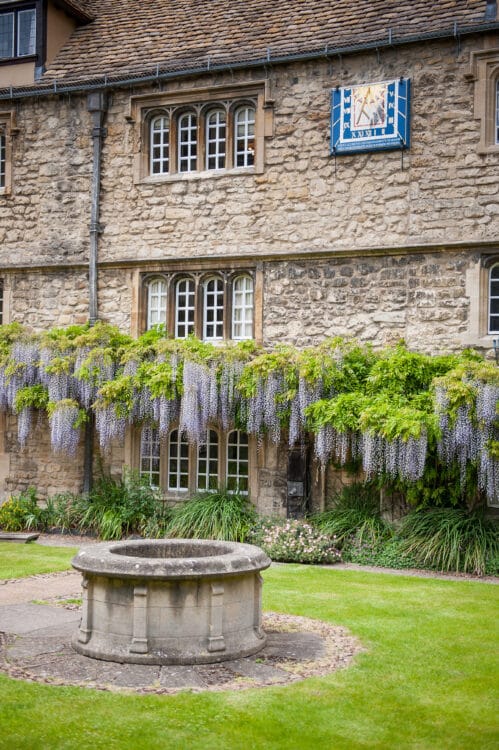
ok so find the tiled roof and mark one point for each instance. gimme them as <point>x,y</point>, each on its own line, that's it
<point>128,35</point>
<point>77,8</point>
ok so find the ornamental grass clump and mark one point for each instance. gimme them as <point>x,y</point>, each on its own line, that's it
<point>213,515</point>
<point>354,513</point>
<point>294,541</point>
<point>118,508</point>
<point>450,539</point>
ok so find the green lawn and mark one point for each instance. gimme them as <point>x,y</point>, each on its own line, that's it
<point>427,680</point>
<point>21,560</point>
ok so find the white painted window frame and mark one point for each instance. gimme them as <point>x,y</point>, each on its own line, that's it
<point>187,135</point>
<point>212,454</point>
<point>176,455</point>
<point>211,308</point>
<point>244,136</point>
<point>150,454</point>
<point>157,294</point>
<point>492,297</point>
<point>243,303</point>
<point>238,444</point>
<point>159,138</point>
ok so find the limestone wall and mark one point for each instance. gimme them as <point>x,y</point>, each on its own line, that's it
<point>303,201</point>
<point>445,192</point>
<point>419,297</point>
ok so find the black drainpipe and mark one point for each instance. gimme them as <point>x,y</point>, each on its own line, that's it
<point>97,106</point>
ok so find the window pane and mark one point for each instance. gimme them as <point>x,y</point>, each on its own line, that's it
<point>7,35</point>
<point>237,463</point>
<point>178,462</point>
<point>187,143</point>
<point>160,145</point>
<point>213,309</point>
<point>242,308</point>
<point>150,455</point>
<point>244,137</point>
<point>184,308</point>
<point>494,299</point>
<point>26,20</point>
<point>215,140</point>
<point>207,470</point>
<point>156,303</point>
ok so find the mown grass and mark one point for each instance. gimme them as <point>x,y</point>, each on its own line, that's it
<point>21,560</point>
<point>427,680</point>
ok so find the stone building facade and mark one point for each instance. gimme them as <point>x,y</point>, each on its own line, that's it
<point>378,245</point>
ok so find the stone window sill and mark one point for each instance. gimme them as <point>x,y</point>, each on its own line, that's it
<point>208,174</point>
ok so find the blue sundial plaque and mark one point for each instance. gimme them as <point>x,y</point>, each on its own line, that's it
<point>370,117</point>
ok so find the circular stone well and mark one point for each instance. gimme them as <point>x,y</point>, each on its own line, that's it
<point>170,601</point>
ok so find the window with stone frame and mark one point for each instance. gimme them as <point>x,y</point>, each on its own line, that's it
<point>218,136</point>
<point>18,32</point>
<point>213,130</point>
<point>212,306</point>
<point>178,468</point>
<point>485,74</point>
<point>493,299</point>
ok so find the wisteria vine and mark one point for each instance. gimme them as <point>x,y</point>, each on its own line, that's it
<point>390,410</point>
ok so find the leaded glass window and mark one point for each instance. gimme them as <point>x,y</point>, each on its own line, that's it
<point>244,137</point>
<point>185,307</point>
<point>178,462</point>
<point>187,142</point>
<point>160,145</point>
<point>494,299</point>
<point>213,309</point>
<point>207,469</point>
<point>237,462</point>
<point>242,308</point>
<point>216,138</point>
<point>156,303</point>
<point>150,456</point>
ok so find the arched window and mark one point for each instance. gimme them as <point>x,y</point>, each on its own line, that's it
<point>187,142</point>
<point>207,468</point>
<point>237,462</point>
<point>216,139</point>
<point>150,456</point>
<point>213,309</point>
<point>178,462</point>
<point>244,137</point>
<point>242,308</point>
<point>184,308</point>
<point>494,299</point>
<point>160,145</point>
<point>156,303</point>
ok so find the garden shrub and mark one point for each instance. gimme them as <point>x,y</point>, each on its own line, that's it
<point>294,541</point>
<point>117,508</point>
<point>384,553</point>
<point>354,512</point>
<point>451,539</point>
<point>213,515</point>
<point>22,511</point>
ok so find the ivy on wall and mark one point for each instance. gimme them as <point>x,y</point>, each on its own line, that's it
<point>395,411</point>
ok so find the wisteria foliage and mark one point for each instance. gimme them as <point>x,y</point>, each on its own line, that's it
<point>390,409</point>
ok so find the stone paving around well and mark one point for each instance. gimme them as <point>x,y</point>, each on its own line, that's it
<point>35,645</point>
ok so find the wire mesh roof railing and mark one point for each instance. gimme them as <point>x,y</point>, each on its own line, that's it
<point>250,58</point>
